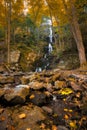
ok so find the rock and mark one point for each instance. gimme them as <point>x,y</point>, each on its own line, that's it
<point>22,116</point>
<point>4,120</point>
<point>75,86</point>
<point>24,79</point>
<point>6,79</point>
<point>15,55</point>
<point>56,76</point>
<point>33,114</point>
<point>58,107</point>
<point>38,98</point>
<point>62,128</point>
<point>17,95</point>
<point>47,109</point>
<point>49,87</point>
<point>59,84</point>
<point>36,85</point>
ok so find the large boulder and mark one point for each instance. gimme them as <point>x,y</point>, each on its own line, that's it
<point>38,98</point>
<point>15,55</point>
<point>17,95</point>
<point>27,117</point>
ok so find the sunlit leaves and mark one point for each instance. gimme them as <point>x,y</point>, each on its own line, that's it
<point>66,91</point>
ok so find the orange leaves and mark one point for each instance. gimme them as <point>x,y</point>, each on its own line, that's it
<point>73,124</point>
<point>22,116</point>
<point>2,118</point>
<point>54,127</point>
<point>32,96</point>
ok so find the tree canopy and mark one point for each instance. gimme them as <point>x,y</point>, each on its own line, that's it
<point>25,16</point>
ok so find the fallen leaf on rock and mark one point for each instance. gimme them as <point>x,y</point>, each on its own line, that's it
<point>72,124</point>
<point>2,118</point>
<point>65,109</point>
<point>12,128</point>
<point>70,110</point>
<point>32,96</point>
<point>71,79</point>
<point>66,117</point>
<point>78,95</point>
<point>28,129</point>
<point>22,116</point>
<point>47,93</point>
<point>65,91</point>
<point>54,127</point>
<point>42,126</point>
<point>82,120</point>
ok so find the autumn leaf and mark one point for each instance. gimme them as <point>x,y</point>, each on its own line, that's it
<point>66,117</point>
<point>66,91</point>
<point>42,126</point>
<point>73,124</point>
<point>32,96</point>
<point>54,127</point>
<point>22,116</point>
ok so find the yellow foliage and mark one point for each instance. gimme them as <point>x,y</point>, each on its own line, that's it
<point>66,91</point>
<point>66,117</point>
<point>73,124</point>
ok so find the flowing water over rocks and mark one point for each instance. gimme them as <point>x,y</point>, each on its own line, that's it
<point>48,100</point>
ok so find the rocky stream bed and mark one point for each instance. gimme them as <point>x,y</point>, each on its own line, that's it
<point>49,100</point>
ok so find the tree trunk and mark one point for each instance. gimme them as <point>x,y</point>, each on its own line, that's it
<point>9,30</point>
<point>71,14</point>
<point>78,37</point>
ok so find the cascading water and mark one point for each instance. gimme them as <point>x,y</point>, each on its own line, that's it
<point>50,48</point>
<point>50,34</point>
<point>45,60</point>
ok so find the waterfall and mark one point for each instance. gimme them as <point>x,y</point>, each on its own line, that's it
<point>50,34</point>
<point>50,48</point>
<point>45,61</point>
<point>38,69</point>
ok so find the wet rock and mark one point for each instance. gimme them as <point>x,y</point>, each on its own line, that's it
<point>47,109</point>
<point>49,87</point>
<point>17,95</point>
<point>58,107</point>
<point>4,120</point>
<point>38,98</point>
<point>59,84</point>
<point>33,114</point>
<point>6,79</point>
<point>36,85</point>
<point>24,79</point>
<point>75,86</point>
<point>56,76</point>
<point>62,128</point>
